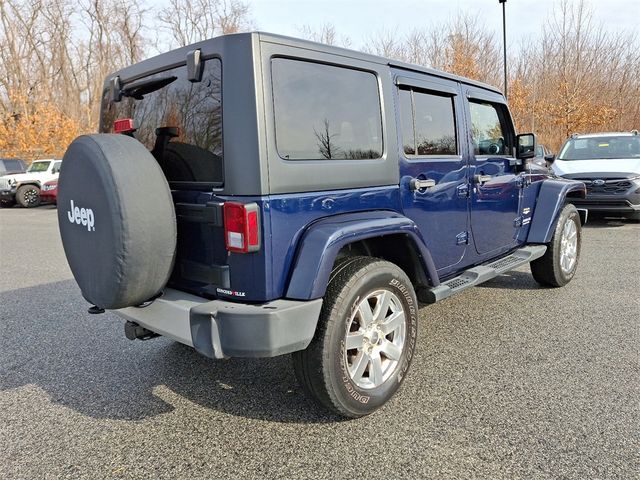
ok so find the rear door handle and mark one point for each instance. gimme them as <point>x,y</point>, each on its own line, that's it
<point>481,179</point>
<point>420,184</point>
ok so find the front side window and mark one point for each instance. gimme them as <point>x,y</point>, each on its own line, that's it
<point>428,124</point>
<point>487,131</point>
<point>180,122</point>
<point>324,112</point>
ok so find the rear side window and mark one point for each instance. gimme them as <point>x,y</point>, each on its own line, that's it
<point>12,166</point>
<point>180,122</point>
<point>324,112</point>
<point>428,124</point>
<point>487,130</point>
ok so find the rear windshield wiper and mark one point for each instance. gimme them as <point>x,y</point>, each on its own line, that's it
<point>140,89</point>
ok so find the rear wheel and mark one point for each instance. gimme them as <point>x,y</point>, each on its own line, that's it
<point>558,265</point>
<point>28,196</point>
<point>7,203</point>
<point>365,338</point>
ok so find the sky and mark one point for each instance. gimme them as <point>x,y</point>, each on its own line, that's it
<point>362,19</point>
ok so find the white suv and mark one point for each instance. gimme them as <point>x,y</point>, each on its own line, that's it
<point>24,188</point>
<point>609,165</point>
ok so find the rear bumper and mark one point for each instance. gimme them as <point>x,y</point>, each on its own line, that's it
<point>220,329</point>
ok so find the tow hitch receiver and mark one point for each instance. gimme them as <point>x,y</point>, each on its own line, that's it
<point>132,331</point>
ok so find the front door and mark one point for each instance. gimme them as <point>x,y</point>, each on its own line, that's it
<point>496,185</point>
<point>433,171</point>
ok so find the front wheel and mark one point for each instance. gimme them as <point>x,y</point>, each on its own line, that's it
<point>558,265</point>
<point>28,196</point>
<point>365,338</point>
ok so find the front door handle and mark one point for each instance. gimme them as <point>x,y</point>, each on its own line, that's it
<point>421,184</point>
<point>481,179</point>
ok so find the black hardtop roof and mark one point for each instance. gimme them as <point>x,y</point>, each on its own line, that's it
<point>368,57</point>
<point>210,46</point>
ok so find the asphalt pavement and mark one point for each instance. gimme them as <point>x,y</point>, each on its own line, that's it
<point>510,380</point>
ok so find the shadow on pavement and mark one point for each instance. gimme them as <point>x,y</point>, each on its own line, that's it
<point>603,222</point>
<point>513,280</point>
<point>85,363</point>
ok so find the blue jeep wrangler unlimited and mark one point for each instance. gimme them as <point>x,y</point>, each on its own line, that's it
<point>254,195</point>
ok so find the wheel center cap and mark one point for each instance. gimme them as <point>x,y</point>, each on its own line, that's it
<point>374,337</point>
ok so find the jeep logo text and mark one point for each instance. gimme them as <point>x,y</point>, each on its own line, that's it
<point>82,216</point>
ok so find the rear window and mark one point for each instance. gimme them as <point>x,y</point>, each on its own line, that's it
<point>324,112</point>
<point>180,122</point>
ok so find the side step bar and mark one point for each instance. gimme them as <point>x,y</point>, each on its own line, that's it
<point>477,275</point>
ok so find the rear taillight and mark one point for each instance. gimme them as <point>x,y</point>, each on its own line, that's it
<point>123,125</point>
<point>241,227</point>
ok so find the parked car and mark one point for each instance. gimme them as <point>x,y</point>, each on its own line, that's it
<point>307,212</point>
<point>542,154</point>
<point>49,192</point>
<point>24,188</point>
<point>12,165</point>
<point>609,165</point>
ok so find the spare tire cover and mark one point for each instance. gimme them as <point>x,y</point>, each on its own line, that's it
<point>117,220</point>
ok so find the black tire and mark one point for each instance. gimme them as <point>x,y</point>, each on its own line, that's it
<point>28,196</point>
<point>548,270</point>
<point>117,220</point>
<point>322,368</point>
<point>7,203</point>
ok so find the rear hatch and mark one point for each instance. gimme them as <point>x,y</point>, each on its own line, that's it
<point>180,122</point>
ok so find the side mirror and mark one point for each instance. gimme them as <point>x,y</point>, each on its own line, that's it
<point>549,158</point>
<point>526,146</point>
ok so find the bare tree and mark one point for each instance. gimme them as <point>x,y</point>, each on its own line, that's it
<point>326,146</point>
<point>461,46</point>
<point>326,34</point>
<point>190,21</point>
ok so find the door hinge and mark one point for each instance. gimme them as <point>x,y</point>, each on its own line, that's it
<point>462,238</point>
<point>517,222</point>
<point>463,190</point>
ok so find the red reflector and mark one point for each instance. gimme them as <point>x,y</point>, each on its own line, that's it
<point>252,227</point>
<point>241,227</point>
<point>123,125</point>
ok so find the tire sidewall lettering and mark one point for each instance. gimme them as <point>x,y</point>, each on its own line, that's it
<point>406,294</point>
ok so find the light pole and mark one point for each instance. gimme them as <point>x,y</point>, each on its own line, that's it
<point>504,43</point>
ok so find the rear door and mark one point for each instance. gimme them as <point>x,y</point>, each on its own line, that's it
<point>496,186</point>
<point>433,168</point>
<point>180,122</point>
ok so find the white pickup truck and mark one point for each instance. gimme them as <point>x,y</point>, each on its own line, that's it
<point>24,188</point>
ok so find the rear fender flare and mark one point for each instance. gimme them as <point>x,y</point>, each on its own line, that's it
<point>551,200</point>
<point>320,244</point>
